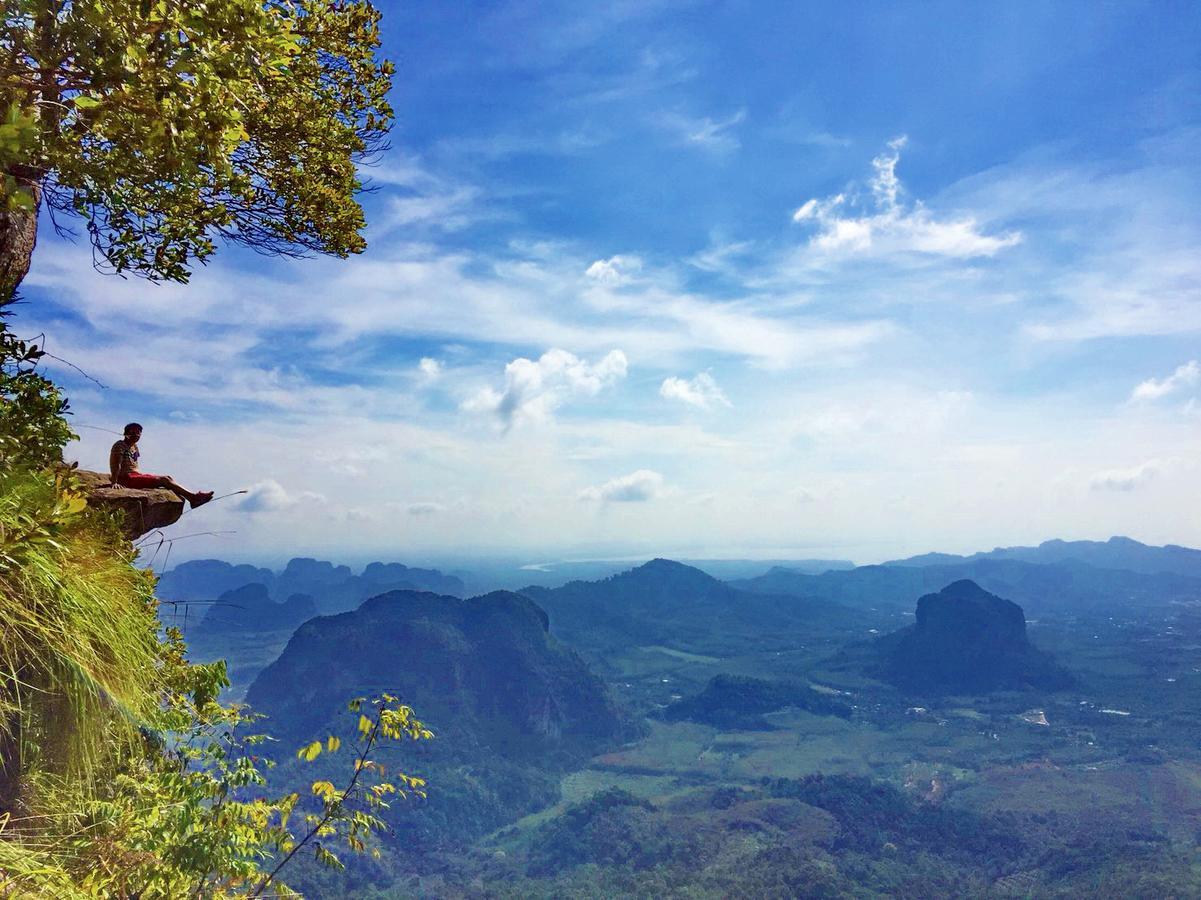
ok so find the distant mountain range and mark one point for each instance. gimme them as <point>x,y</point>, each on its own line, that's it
<point>1115,553</point>
<point>333,588</point>
<point>1062,585</point>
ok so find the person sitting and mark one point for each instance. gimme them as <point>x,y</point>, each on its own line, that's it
<point>123,468</point>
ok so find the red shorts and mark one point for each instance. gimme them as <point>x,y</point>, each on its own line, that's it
<point>140,480</point>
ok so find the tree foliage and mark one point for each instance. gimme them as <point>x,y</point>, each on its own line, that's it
<point>165,124</point>
<point>33,427</point>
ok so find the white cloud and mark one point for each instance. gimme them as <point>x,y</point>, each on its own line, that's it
<point>637,487</point>
<point>1126,479</point>
<point>614,270</point>
<point>271,496</point>
<point>417,197</point>
<point>1185,376</point>
<point>888,225</point>
<point>703,132</point>
<point>535,389</point>
<point>718,257</point>
<point>701,391</point>
<point>429,367</point>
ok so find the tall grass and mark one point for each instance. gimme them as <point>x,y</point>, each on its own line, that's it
<point>78,638</point>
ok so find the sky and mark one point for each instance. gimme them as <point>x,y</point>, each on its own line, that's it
<point>701,279</point>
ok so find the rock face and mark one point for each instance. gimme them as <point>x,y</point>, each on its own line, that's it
<point>966,640</point>
<point>141,511</point>
<point>484,673</point>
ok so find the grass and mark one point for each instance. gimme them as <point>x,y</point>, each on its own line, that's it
<point>78,637</point>
<point>78,656</point>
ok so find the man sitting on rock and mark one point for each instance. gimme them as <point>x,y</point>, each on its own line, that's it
<point>123,466</point>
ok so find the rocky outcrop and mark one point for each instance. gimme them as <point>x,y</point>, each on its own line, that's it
<point>966,640</point>
<point>141,511</point>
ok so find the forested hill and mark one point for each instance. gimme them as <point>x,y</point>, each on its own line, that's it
<point>511,707</point>
<point>668,602</point>
<point>485,669</point>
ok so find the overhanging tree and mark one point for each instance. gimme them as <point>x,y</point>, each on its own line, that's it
<point>168,125</point>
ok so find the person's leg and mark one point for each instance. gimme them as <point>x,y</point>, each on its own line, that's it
<point>195,498</point>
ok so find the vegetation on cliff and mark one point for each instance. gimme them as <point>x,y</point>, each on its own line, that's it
<point>120,772</point>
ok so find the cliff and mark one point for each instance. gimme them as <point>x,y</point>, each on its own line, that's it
<point>141,511</point>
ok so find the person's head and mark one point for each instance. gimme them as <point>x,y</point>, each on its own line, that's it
<point>133,431</point>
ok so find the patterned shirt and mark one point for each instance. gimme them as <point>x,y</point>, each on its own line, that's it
<point>125,455</point>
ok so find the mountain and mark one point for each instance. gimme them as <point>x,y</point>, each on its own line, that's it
<point>966,640</point>
<point>208,579</point>
<point>485,669</point>
<point>385,575</point>
<point>1115,553</point>
<point>666,602</point>
<point>250,608</point>
<point>1066,586</point>
<point>334,588</point>
<point>512,707</point>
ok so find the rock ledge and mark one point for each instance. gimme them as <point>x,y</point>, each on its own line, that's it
<point>141,511</point>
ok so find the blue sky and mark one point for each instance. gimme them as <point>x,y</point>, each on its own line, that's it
<point>704,279</point>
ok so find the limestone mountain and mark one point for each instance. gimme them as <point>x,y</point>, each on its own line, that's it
<point>511,706</point>
<point>485,668</point>
<point>208,579</point>
<point>966,640</point>
<point>250,608</point>
<point>334,588</point>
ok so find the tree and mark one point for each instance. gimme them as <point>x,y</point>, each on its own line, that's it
<point>166,124</point>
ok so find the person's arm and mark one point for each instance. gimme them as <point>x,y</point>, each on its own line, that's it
<point>116,464</point>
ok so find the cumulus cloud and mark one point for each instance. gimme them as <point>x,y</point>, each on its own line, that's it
<point>1185,376</point>
<point>701,391</point>
<point>885,223</point>
<point>614,270</point>
<point>534,389</point>
<point>1126,479</point>
<point>271,496</point>
<point>637,487</point>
